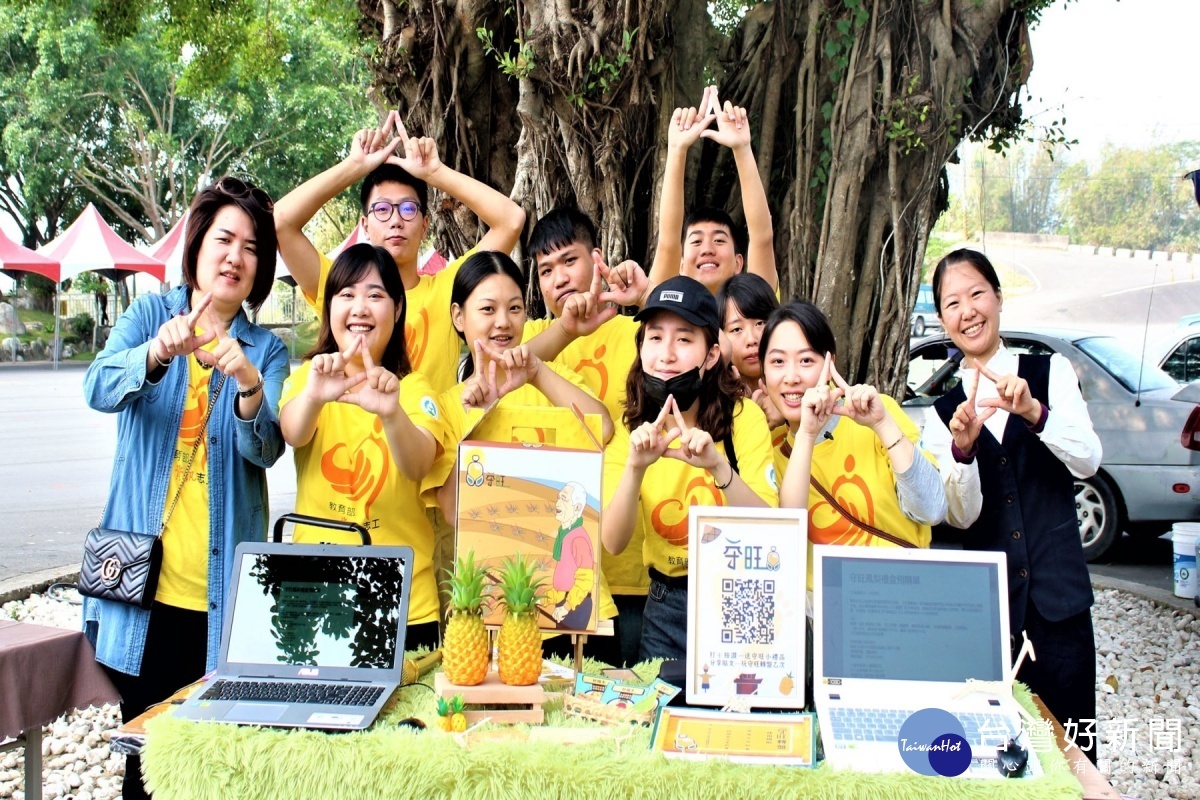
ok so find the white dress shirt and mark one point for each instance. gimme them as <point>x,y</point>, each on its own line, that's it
<point>1068,433</point>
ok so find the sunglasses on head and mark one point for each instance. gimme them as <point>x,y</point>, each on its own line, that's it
<point>236,187</point>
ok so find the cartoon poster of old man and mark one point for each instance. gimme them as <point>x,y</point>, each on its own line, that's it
<point>569,597</point>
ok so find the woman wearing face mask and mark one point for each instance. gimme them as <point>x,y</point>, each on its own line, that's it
<point>744,303</point>
<point>686,426</point>
<point>851,455</point>
<point>364,426</point>
<point>1009,439</point>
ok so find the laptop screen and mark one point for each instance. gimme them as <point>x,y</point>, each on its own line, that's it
<point>317,610</point>
<point>906,619</point>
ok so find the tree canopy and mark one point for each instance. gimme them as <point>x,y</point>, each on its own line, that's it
<point>110,102</point>
<point>855,108</point>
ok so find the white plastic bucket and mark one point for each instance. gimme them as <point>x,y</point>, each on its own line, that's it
<point>1185,537</point>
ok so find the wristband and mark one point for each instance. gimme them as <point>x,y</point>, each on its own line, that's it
<point>253,390</point>
<point>899,439</point>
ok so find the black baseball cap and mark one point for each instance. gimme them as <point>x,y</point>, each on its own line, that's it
<point>685,296</point>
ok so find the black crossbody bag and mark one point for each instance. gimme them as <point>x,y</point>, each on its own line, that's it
<point>123,566</point>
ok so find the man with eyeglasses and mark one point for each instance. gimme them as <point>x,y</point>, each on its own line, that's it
<point>395,174</point>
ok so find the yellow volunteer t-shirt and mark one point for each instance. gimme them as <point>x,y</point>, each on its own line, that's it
<point>346,473</point>
<point>854,467</point>
<point>429,336</point>
<point>671,486</point>
<point>183,578</point>
<point>603,359</point>
<point>525,402</point>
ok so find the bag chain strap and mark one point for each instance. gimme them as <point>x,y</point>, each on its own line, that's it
<point>212,402</point>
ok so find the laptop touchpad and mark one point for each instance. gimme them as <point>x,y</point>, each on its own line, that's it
<point>258,712</point>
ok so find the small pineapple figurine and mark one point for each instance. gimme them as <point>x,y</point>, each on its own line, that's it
<point>519,646</point>
<point>451,718</point>
<point>466,649</point>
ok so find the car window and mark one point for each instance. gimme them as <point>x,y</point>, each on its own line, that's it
<point>1123,365</point>
<point>932,371</point>
<point>1183,364</point>
<point>1026,347</point>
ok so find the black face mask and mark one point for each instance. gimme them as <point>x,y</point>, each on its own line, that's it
<point>684,387</point>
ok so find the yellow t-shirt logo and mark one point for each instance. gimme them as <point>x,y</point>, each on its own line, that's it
<point>700,491</point>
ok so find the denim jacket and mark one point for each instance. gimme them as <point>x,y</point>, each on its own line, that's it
<point>239,452</point>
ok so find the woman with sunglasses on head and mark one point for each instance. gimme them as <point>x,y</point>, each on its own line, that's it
<point>1010,438</point>
<point>196,387</point>
<point>364,426</point>
<point>688,438</point>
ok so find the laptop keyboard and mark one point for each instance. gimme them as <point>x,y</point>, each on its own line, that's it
<point>883,725</point>
<point>300,692</point>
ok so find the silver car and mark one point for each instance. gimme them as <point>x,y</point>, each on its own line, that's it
<point>1147,479</point>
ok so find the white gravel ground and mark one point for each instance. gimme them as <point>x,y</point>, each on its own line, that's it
<point>1148,684</point>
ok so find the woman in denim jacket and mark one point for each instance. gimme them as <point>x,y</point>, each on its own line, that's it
<point>207,484</point>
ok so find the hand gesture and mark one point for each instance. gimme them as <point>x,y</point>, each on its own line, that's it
<point>627,282</point>
<point>327,379</point>
<point>733,129</point>
<point>228,359</point>
<point>371,147</point>
<point>1013,395</point>
<point>819,402</point>
<point>695,444</point>
<point>420,158</point>
<point>760,396</point>
<point>649,442</point>
<point>687,124</point>
<point>380,393</point>
<point>479,391</point>
<point>584,312</point>
<point>177,336</point>
<point>520,366</point>
<point>862,403</point>
<point>966,425</point>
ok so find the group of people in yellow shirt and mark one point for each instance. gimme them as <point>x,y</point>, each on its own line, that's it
<point>713,393</point>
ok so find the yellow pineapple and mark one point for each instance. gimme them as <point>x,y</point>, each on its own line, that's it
<point>466,649</point>
<point>519,645</point>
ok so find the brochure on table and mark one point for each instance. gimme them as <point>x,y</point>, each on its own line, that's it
<point>746,606</point>
<point>536,491</point>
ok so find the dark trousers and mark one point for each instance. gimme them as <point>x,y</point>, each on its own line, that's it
<point>175,655</point>
<point>1064,675</point>
<point>664,618</point>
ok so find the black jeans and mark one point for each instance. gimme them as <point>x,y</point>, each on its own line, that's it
<point>175,655</point>
<point>1064,675</point>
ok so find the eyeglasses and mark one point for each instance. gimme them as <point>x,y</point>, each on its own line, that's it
<point>408,210</point>
<point>239,188</point>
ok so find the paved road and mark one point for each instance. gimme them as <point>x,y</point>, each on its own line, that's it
<point>55,462</point>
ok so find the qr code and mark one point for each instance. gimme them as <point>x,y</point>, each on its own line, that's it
<point>747,611</point>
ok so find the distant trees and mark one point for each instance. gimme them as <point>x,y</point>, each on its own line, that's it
<point>1130,197</point>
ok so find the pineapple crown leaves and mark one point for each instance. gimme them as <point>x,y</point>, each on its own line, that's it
<point>518,585</point>
<point>466,584</point>
<point>443,708</point>
<point>457,704</point>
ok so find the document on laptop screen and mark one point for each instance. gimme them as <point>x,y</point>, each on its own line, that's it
<point>321,611</point>
<point>911,620</point>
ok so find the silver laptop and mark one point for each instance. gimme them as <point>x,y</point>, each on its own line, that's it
<point>900,631</point>
<point>314,637</point>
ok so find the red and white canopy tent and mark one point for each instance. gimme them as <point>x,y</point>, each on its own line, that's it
<point>14,258</point>
<point>90,245</point>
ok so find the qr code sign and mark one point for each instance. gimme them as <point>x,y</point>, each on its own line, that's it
<point>747,611</point>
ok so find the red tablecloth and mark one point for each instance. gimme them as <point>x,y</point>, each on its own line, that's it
<point>45,672</point>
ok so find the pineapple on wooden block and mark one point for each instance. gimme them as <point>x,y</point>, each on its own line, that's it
<point>519,646</point>
<point>466,649</point>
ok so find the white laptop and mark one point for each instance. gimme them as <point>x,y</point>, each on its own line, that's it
<point>898,631</point>
<point>314,637</point>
